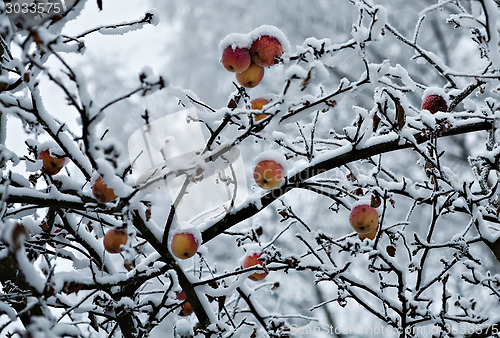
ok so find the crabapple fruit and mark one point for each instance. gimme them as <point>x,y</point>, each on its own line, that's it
<point>236,60</point>
<point>184,245</point>
<point>252,260</point>
<point>265,50</point>
<point>435,103</point>
<point>250,77</point>
<point>101,192</point>
<point>51,165</point>
<point>364,219</point>
<point>268,174</point>
<point>114,239</point>
<point>258,104</point>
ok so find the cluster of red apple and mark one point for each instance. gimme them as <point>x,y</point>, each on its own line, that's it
<point>248,61</point>
<point>249,261</point>
<point>52,165</point>
<point>364,218</point>
<point>187,309</point>
<point>268,174</point>
<point>184,245</point>
<point>114,238</point>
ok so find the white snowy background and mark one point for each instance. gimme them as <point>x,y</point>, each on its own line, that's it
<point>184,49</point>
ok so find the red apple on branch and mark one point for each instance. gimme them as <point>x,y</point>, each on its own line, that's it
<point>51,164</point>
<point>258,104</point>
<point>236,59</point>
<point>187,309</point>
<point>184,245</point>
<point>19,235</point>
<point>265,50</point>
<point>252,260</point>
<point>269,174</point>
<point>250,77</point>
<point>114,239</point>
<point>102,192</point>
<point>434,100</point>
<point>364,219</point>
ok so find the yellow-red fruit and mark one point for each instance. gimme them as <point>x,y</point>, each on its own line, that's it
<point>435,103</point>
<point>268,174</point>
<point>236,60</point>
<point>258,104</point>
<point>114,239</point>
<point>364,219</point>
<point>250,77</point>
<point>259,117</point>
<point>187,309</point>
<point>51,165</point>
<point>252,260</point>
<point>184,245</point>
<point>265,50</point>
<point>101,191</point>
<point>371,235</point>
